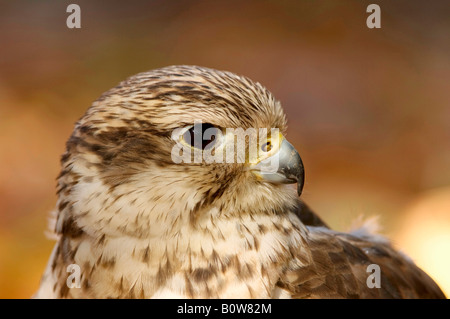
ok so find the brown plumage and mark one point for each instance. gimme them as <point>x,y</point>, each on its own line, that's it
<point>139,225</point>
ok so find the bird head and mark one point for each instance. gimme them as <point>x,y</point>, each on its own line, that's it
<point>174,146</point>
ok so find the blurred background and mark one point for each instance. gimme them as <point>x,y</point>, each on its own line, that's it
<point>368,109</point>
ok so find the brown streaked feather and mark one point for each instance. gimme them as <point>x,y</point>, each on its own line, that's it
<point>307,216</point>
<point>338,269</point>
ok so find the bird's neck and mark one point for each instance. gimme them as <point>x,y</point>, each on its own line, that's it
<point>226,257</point>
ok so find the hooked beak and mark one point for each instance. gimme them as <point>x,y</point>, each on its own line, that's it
<point>283,166</point>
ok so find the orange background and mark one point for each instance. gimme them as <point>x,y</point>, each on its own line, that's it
<point>368,109</point>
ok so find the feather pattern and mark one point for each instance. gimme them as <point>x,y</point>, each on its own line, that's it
<point>139,225</point>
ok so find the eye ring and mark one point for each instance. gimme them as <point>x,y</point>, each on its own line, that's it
<point>202,136</point>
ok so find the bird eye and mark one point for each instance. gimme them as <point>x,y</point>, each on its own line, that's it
<point>266,147</point>
<point>202,136</point>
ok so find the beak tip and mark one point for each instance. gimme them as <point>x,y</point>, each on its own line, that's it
<point>299,188</point>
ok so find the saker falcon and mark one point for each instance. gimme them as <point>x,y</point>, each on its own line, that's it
<point>138,223</point>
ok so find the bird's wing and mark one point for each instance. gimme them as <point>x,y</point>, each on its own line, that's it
<point>337,267</point>
<point>307,216</point>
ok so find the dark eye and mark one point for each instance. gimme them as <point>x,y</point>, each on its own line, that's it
<point>202,136</point>
<point>266,147</point>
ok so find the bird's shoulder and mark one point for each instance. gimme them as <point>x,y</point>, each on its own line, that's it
<point>359,264</point>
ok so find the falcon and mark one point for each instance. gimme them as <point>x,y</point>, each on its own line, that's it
<point>134,220</point>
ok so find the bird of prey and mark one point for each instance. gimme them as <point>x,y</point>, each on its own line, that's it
<point>136,222</point>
